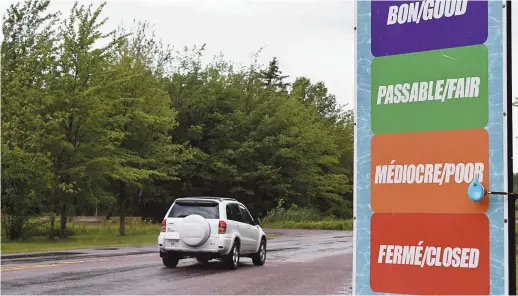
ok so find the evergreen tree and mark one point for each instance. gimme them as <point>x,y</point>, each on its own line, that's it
<point>272,76</point>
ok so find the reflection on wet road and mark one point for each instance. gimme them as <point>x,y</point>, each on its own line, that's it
<point>298,262</point>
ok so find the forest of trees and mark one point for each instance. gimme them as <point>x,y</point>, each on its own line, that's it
<point>116,123</point>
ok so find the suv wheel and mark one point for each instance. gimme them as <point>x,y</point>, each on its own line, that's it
<point>232,259</point>
<point>260,257</point>
<point>170,261</point>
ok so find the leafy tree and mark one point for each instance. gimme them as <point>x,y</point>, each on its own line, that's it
<point>316,96</point>
<point>77,106</point>
<point>26,59</point>
<point>137,147</point>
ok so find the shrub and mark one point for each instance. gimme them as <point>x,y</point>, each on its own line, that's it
<point>303,218</point>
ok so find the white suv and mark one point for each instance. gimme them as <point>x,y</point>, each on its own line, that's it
<point>211,228</point>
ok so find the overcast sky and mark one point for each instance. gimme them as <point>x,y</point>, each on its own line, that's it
<point>313,38</point>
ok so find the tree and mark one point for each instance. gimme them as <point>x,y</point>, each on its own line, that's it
<point>77,106</point>
<point>26,60</point>
<point>272,76</point>
<point>137,148</point>
<point>316,96</point>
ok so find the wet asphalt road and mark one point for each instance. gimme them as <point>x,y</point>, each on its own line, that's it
<point>298,262</point>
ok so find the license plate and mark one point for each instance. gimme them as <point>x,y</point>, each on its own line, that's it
<point>170,243</point>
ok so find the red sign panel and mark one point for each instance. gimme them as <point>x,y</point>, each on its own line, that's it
<point>430,253</point>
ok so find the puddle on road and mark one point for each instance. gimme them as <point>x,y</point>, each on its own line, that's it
<point>282,249</point>
<point>13,259</point>
<point>47,254</point>
<point>106,249</point>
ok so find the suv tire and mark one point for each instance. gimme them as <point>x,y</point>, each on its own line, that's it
<point>260,257</point>
<point>232,259</point>
<point>170,261</point>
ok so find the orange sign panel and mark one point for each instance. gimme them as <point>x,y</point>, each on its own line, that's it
<point>428,172</point>
<point>430,254</point>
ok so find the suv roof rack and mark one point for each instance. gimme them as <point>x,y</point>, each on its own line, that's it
<point>208,197</point>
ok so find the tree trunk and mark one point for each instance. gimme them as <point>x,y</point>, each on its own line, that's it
<point>122,208</point>
<point>15,227</point>
<point>52,223</point>
<point>63,221</point>
<point>54,205</point>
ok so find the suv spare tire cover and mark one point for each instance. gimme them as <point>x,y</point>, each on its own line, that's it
<point>195,230</point>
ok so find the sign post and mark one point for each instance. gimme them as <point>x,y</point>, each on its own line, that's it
<point>432,114</point>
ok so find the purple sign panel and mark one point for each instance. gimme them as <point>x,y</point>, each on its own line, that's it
<point>412,26</point>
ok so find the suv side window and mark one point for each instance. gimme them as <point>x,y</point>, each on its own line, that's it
<point>246,215</point>
<point>236,214</point>
<point>230,215</point>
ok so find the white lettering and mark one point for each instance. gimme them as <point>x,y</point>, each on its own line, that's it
<point>429,256</point>
<point>429,173</point>
<point>426,10</point>
<point>434,90</point>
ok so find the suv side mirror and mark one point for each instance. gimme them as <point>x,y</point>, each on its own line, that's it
<point>257,221</point>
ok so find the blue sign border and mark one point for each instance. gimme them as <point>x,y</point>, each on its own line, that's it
<point>496,127</point>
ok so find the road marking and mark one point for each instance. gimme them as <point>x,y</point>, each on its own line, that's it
<point>27,267</point>
<point>72,262</point>
<point>23,267</point>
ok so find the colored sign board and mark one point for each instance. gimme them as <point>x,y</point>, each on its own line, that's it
<point>432,90</point>
<point>430,114</point>
<point>413,254</point>
<point>435,166</point>
<point>413,26</point>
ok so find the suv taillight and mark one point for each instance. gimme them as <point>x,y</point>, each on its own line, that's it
<point>222,227</point>
<point>162,229</point>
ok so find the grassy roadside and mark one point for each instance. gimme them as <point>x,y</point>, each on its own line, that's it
<point>303,218</point>
<point>335,224</point>
<point>42,244</point>
<point>88,236</point>
<point>83,236</point>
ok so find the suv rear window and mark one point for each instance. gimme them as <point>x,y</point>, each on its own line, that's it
<point>206,209</point>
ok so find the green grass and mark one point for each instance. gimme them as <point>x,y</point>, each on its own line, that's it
<point>41,244</point>
<point>37,228</point>
<point>303,218</point>
<point>82,236</point>
<point>335,224</point>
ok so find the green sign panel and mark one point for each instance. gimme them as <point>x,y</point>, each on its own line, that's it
<point>428,91</point>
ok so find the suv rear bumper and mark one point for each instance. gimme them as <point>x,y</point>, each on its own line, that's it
<point>213,246</point>
<point>181,255</point>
